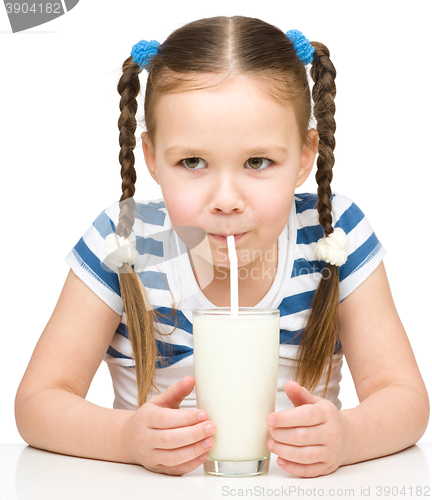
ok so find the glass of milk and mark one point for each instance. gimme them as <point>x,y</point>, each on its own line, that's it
<point>236,370</point>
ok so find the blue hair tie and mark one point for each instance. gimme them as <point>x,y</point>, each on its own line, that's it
<point>302,46</point>
<point>143,52</point>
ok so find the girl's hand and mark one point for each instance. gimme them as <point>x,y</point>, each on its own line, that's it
<point>309,439</point>
<point>164,438</point>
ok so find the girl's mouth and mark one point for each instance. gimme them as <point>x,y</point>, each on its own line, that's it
<point>223,238</point>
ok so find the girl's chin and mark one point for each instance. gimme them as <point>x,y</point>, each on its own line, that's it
<point>225,265</point>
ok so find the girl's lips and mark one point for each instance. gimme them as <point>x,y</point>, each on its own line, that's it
<point>223,239</point>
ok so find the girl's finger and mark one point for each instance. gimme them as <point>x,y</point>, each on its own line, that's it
<point>173,396</point>
<point>299,436</point>
<point>170,439</point>
<point>302,416</point>
<point>302,470</point>
<point>167,418</point>
<point>298,454</point>
<point>185,454</point>
<point>299,395</point>
<point>179,470</point>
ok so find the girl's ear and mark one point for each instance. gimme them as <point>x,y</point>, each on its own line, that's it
<point>308,155</point>
<point>149,155</point>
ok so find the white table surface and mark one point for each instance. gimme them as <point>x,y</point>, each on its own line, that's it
<point>29,473</point>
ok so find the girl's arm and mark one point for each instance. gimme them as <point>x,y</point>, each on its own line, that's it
<point>314,438</point>
<point>52,414</point>
<point>394,406</point>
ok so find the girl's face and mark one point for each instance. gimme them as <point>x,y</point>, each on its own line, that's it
<point>228,160</point>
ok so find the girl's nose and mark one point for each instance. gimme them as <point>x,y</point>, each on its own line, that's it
<point>226,195</point>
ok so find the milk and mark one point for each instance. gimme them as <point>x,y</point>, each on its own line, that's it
<point>236,371</point>
<point>236,357</point>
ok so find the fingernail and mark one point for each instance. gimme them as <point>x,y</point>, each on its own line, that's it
<point>209,429</point>
<point>270,444</point>
<point>271,421</point>
<point>203,458</point>
<point>207,443</point>
<point>201,416</point>
<point>280,461</point>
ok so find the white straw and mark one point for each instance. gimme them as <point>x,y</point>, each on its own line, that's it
<point>232,255</point>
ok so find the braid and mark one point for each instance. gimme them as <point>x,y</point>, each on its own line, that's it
<point>320,334</point>
<point>139,316</point>
<point>324,91</point>
<point>128,87</point>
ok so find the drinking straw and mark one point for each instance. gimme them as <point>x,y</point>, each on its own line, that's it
<point>232,255</point>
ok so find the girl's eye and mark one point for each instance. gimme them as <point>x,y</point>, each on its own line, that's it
<point>258,163</point>
<point>193,163</point>
<point>196,163</point>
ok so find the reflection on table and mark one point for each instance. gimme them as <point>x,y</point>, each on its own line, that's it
<point>36,474</point>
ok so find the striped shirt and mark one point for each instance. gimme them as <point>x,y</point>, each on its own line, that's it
<point>165,270</point>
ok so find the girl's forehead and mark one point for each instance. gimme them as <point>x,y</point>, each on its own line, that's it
<point>233,109</point>
<point>232,114</point>
<point>216,94</point>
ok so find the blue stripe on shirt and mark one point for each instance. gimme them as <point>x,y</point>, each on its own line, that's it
<point>149,246</point>
<point>154,279</point>
<point>116,354</point>
<point>347,221</point>
<point>309,234</point>
<point>296,303</point>
<point>302,267</point>
<point>295,337</point>
<point>123,330</point>
<point>182,322</point>
<point>290,337</point>
<point>151,213</point>
<point>169,319</point>
<point>350,218</point>
<point>100,271</point>
<point>171,353</point>
<point>360,257</point>
<point>104,225</point>
<point>307,201</point>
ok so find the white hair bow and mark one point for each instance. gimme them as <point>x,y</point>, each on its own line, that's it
<point>332,248</point>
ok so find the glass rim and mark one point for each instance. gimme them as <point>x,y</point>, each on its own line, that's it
<point>226,311</point>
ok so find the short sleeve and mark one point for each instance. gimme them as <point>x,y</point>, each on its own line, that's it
<point>365,251</point>
<point>87,256</point>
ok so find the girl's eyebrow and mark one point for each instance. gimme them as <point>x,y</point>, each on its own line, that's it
<point>185,152</point>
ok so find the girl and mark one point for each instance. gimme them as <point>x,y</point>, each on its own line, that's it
<point>227,111</point>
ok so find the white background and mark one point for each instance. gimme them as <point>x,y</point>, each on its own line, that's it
<point>59,148</point>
